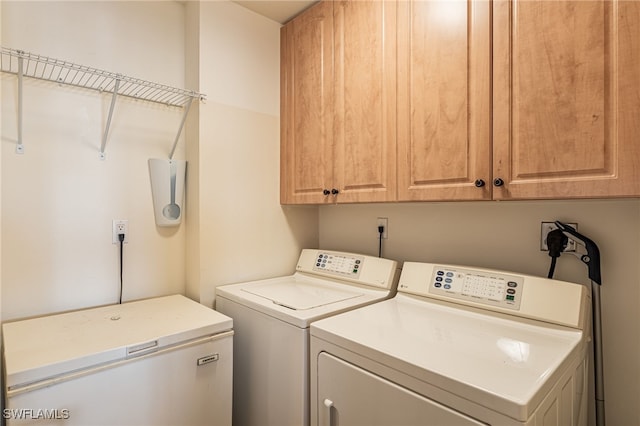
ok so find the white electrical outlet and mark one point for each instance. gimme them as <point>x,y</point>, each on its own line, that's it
<point>120,226</point>
<point>383,221</point>
<point>546,227</point>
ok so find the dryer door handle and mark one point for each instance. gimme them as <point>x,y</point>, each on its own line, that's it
<point>329,404</point>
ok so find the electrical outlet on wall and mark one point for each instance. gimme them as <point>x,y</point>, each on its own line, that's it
<point>546,227</point>
<point>384,222</point>
<point>120,226</point>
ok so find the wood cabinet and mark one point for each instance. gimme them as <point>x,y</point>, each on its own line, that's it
<point>306,116</point>
<point>338,88</point>
<point>444,98</point>
<point>508,99</point>
<point>566,99</point>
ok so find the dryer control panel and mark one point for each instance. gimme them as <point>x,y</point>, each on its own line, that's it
<point>510,293</point>
<point>484,287</point>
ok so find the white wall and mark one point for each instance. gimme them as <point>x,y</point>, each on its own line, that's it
<point>506,235</point>
<point>241,231</point>
<point>59,198</point>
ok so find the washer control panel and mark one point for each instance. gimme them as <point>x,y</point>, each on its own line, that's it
<point>489,288</point>
<point>344,265</point>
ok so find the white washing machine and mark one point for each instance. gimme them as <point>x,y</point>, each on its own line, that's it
<point>456,346</point>
<point>271,321</point>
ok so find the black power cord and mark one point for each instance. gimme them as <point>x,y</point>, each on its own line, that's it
<point>121,239</point>
<point>380,232</point>
<point>556,242</point>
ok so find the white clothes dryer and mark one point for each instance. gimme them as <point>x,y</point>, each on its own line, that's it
<point>456,346</point>
<point>271,321</point>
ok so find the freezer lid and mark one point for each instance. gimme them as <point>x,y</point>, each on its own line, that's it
<point>42,348</point>
<point>300,295</point>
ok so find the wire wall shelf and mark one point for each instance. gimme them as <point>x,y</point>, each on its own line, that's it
<point>63,72</point>
<point>25,64</point>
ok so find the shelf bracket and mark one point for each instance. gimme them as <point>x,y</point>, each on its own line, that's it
<point>184,118</point>
<point>20,146</point>
<point>106,129</point>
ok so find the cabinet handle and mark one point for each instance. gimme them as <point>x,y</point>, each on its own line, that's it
<point>335,191</point>
<point>326,192</point>
<point>498,182</point>
<point>479,183</point>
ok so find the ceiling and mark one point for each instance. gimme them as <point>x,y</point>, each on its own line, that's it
<point>278,10</point>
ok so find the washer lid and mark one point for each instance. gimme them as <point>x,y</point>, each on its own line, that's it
<point>299,299</point>
<point>300,296</point>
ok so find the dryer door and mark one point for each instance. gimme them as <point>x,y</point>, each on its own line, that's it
<point>349,395</point>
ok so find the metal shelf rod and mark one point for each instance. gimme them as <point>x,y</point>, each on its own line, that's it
<point>184,118</point>
<point>106,129</point>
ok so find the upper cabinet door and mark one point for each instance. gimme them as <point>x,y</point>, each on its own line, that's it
<point>306,150</point>
<point>566,91</point>
<point>444,131</point>
<point>365,100</point>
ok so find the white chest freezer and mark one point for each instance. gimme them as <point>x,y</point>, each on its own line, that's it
<point>161,361</point>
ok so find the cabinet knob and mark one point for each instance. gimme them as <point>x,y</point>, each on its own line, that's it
<point>335,191</point>
<point>326,192</point>
<point>479,183</point>
<point>498,182</point>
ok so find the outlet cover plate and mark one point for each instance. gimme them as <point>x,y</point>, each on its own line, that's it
<point>120,225</point>
<point>383,221</point>
<point>546,227</point>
